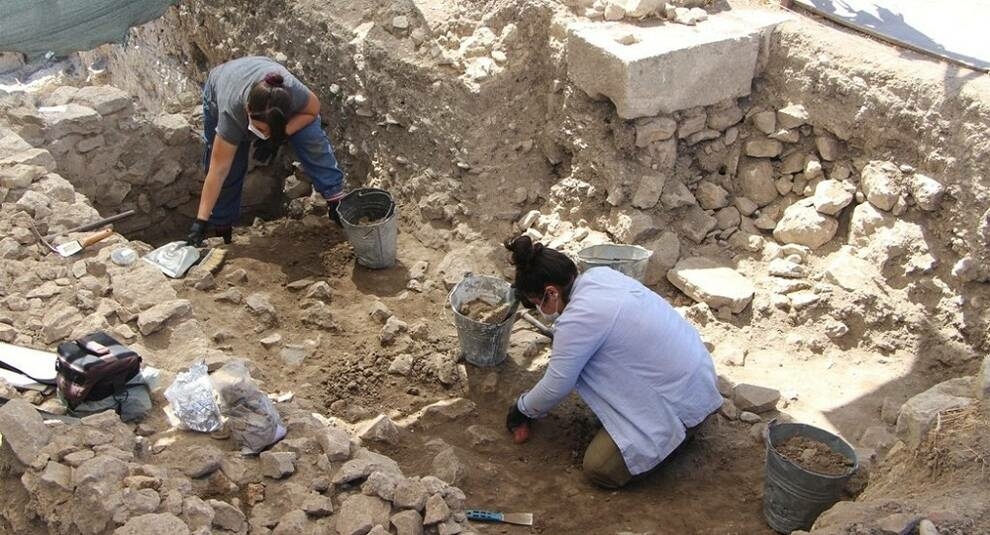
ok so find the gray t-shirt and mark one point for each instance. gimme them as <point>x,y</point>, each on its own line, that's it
<point>227,89</point>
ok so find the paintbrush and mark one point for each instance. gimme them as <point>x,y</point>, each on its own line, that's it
<point>520,519</point>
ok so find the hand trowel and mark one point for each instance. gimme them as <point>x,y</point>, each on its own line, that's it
<point>520,519</point>
<point>70,248</point>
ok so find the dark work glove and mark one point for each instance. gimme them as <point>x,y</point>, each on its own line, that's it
<point>515,418</point>
<point>264,151</point>
<point>197,232</point>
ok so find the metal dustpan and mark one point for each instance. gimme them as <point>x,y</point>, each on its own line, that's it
<point>174,259</point>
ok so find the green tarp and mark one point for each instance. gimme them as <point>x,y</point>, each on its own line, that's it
<point>35,27</point>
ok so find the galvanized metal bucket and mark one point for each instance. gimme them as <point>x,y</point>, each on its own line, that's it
<point>792,496</point>
<point>631,260</point>
<point>483,344</point>
<point>374,243</point>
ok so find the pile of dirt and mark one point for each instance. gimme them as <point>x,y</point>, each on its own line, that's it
<point>814,456</point>
<point>369,220</point>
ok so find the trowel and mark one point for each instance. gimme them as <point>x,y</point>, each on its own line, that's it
<point>520,519</point>
<point>70,248</point>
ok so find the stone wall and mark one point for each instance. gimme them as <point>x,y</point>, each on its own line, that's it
<point>124,159</point>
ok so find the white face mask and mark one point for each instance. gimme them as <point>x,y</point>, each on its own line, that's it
<point>256,132</point>
<point>547,318</point>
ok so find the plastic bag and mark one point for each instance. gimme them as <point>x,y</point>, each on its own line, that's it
<point>252,419</point>
<point>191,401</point>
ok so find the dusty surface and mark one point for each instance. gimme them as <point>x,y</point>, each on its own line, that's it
<point>814,456</point>
<point>471,163</point>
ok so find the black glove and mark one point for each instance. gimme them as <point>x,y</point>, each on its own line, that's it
<point>264,151</point>
<point>332,211</point>
<point>515,418</point>
<point>197,232</point>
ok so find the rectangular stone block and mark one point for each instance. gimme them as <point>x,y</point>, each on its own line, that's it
<point>648,70</point>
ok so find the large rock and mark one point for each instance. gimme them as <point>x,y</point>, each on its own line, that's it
<point>200,461</point>
<point>654,129</point>
<point>408,523</point>
<point>713,63</point>
<point>865,220</point>
<point>277,465</point>
<point>631,226</point>
<point>711,196</point>
<point>227,517</point>
<point>359,513</point>
<point>709,281</point>
<point>154,319</point>
<point>141,287</point>
<point>61,121</point>
<point>852,273</point>
<point>336,443</point>
<point>105,99</point>
<point>153,524</point>
<point>756,181</point>
<point>918,414</point>
<point>882,184</point>
<point>23,430</point>
<point>436,510</point>
<point>677,195</point>
<point>926,191</point>
<point>410,494</point>
<point>380,429</point>
<point>666,252</point>
<point>695,224</point>
<point>648,193</point>
<point>804,225</point>
<point>754,398</point>
<point>831,196</point>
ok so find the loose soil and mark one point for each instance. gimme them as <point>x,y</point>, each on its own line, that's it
<point>814,456</point>
<point>485,312</point>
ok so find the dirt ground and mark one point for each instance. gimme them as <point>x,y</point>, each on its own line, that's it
<point>713,486</point>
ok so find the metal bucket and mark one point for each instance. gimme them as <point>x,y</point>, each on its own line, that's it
<point>792,496</point>
<point>631,260</point>
<point>482,344</point>
<point>374,244</point>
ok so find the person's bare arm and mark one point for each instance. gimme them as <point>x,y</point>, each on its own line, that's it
<point>221,158</point>
<point>304,116</point>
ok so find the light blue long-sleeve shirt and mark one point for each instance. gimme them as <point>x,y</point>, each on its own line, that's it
<point>634,360</point>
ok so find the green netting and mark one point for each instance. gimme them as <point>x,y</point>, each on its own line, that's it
<point>35,27</point>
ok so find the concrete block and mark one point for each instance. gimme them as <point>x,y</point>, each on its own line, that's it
<point>669,67</point>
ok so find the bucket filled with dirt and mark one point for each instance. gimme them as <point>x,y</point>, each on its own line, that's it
<point>807,469</point>
<point>484,309</point>
<point>628,259</point>
<point>370,222</point>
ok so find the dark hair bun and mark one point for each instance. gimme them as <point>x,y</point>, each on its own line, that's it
<point>274,79</point>
<point>524,251</point>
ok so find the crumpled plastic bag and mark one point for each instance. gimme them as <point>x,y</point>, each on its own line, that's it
<point>192,404</point>
<point>252,419</point>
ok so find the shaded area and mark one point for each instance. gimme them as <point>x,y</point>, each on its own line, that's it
<point>948,31</point>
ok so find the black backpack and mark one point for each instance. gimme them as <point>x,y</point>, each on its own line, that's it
<point>94,367</point>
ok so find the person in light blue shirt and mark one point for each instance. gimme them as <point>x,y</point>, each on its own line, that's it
<point>641,367</point>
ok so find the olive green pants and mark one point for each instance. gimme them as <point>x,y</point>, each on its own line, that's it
<point>603,463</point>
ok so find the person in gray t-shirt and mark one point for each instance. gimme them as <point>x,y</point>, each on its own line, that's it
<point>254,100</point>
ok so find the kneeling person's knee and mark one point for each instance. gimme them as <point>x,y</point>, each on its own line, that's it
<point>603,463</point>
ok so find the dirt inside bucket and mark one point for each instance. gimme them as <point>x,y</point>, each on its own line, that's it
<point>814,456</point>
<point>369,220</point>
<point>485,312</point>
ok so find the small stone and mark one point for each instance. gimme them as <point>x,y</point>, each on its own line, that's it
<point>358,514</point>
<point>320,291</point>
<point>436,510</point>
<point>804,225</point>
<point>729,410</point>
<point>654,129</point>
<point>831,197</point>
<point>763,148</point>
<point>749,417</point>
<point>408,523</point>
<point>200,461</point>
<point>153,524</point>
<point>756,399</point>
<point>882,184</point>
<point>238,276</point>
<point>756,180</point>
<point>765,121</point>
<point>231,295</point>
<point>828,147</point>
<point>410,494</point>
<point>381,429</point>
<point>336,443</point>
<point>277,465</point>
<point>260,306</point>
<point>392,329</point>
<point>317,505</point>
<point>400,22</point>
<point>401,365</point>
<point>448,467</point>
<point>226,516</point>
<point>197,513</point>
<point>23,430</point>
<point>927,192</point>
<point>711,196</point>
<point>792,116</point>
<point>271,341</point>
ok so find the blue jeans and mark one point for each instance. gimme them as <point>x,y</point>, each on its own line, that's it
<point>310,144</point>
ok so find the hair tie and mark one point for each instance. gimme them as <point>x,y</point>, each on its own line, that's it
<point>274,79</point>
